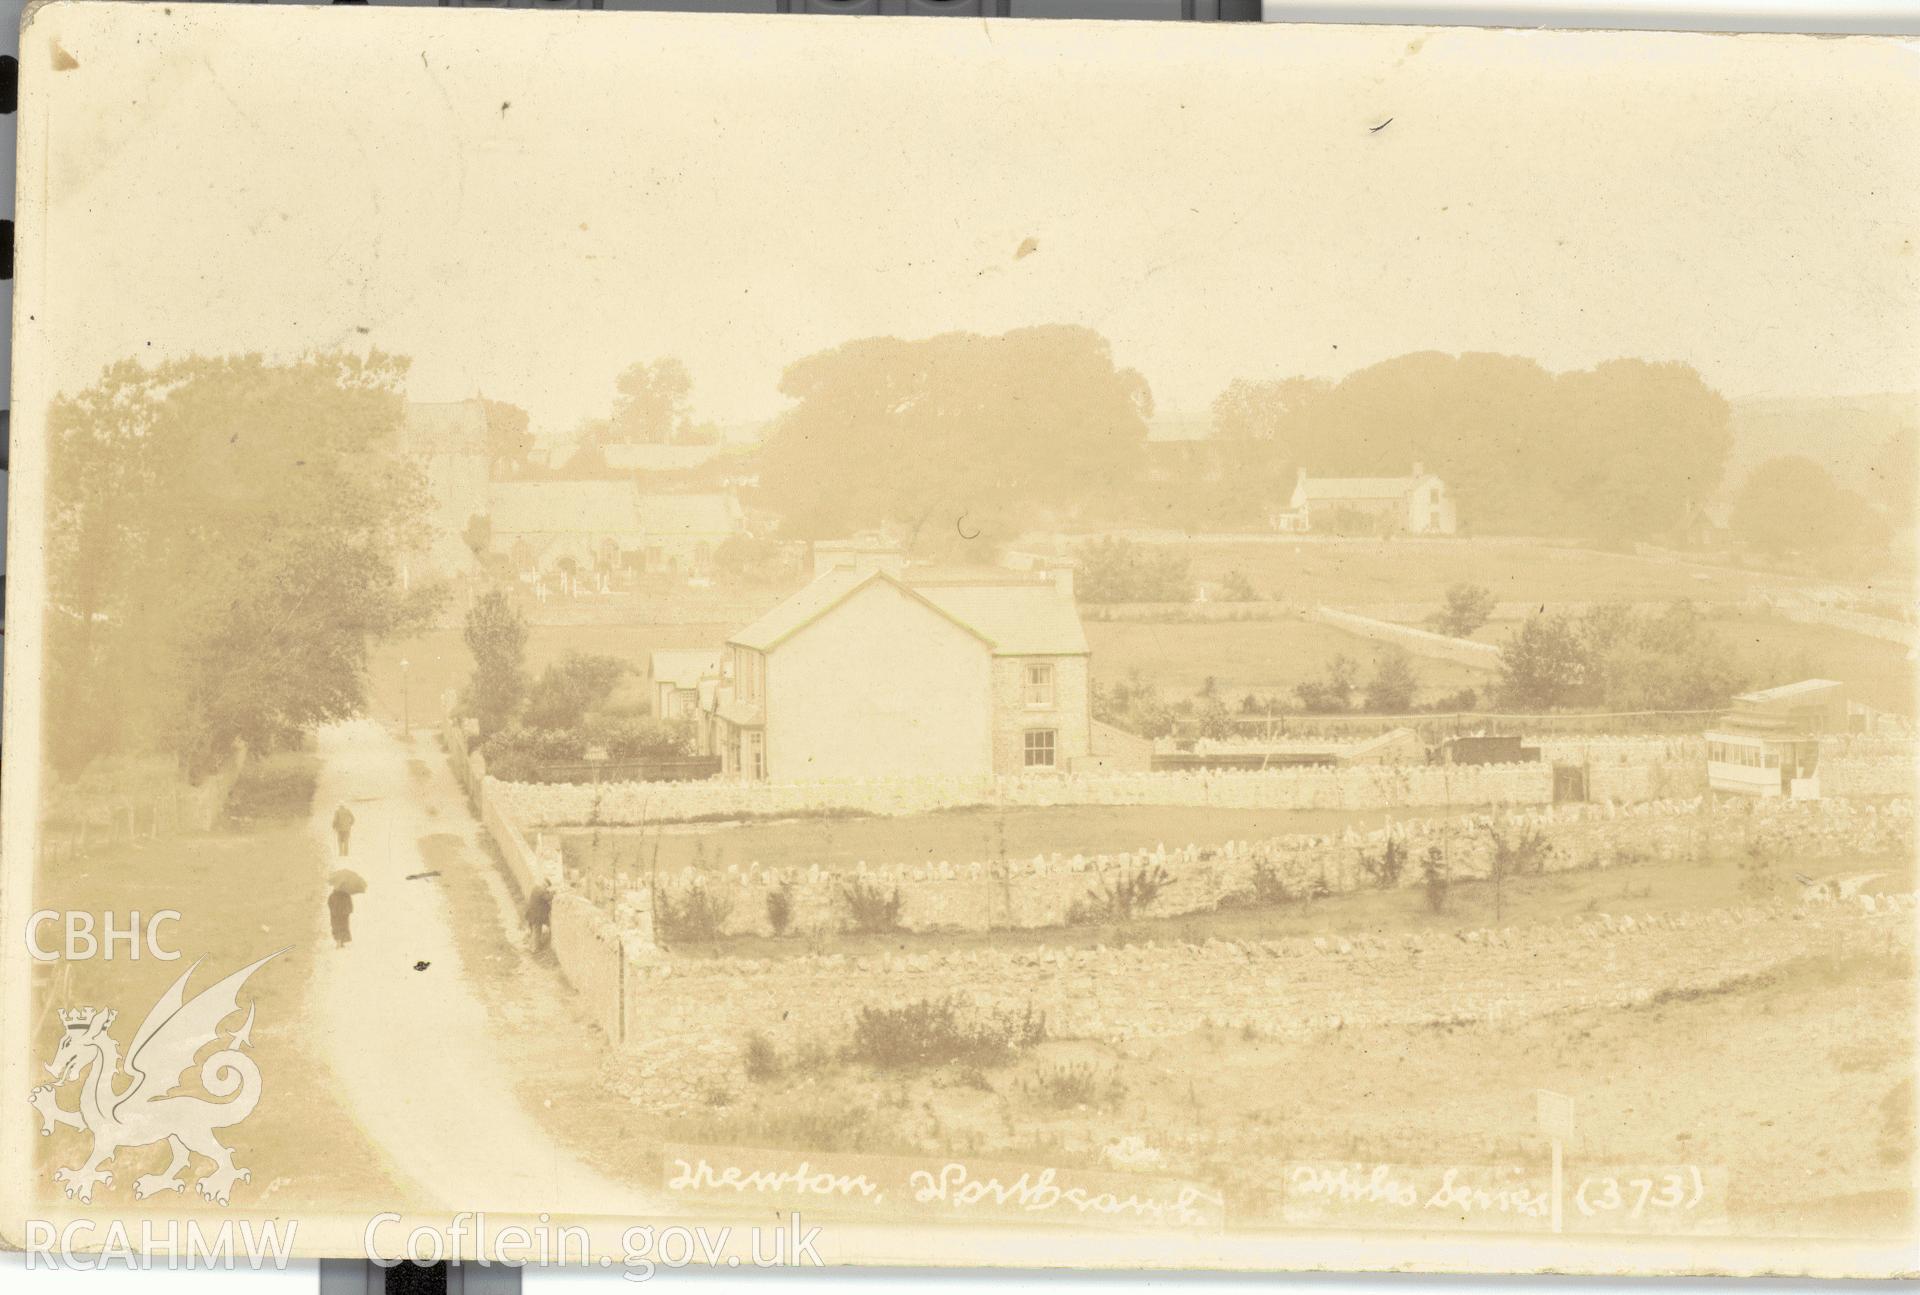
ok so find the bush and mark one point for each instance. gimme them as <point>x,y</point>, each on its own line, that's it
<point>515,754</point>
<point>1390,691</point>
<point>1120,897</point>
<point>279,787</point>
<point>1384,869</point>
<point>1114,570</point>
<point>1270,889</point>
<point>780,908</point>
<point>1760,870</point>
<point>1076,1083</point>
<point>761,1060</point>
<point>1333,694</point>
<point>870,909</point>
<point>1236,588</point>
<point>1468,607</point>
<point>698,914</point>
<point>1434,879</point>
<point>1519,852</point>
<point>569,689</point>
<point>640,737</point>
<point>934,1032</point>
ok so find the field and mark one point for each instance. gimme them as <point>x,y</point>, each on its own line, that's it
<point>1259,656</point>
<point>1816,1134</point>
<point>1270,657</point>
<point>1353,572</point>
<point>240,896</point>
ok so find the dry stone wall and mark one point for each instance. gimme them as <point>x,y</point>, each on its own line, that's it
<point>1059,890</point>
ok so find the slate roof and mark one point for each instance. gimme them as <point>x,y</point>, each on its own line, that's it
<point>684,667</point>
<point>1014,615</point>
<point>1335,489</point>
<point>599,507</point>
<point>710,514</point>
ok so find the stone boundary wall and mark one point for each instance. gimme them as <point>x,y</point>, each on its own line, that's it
<point>1420,642</point>
<point>594,944</point>
<point>1320,787</point>
<point>1809,613</point>
<point>687,1022</point>
<point>592,951</point>
<point>1876,775</point>
<point>1061,890</point>
<point>1625,770</point>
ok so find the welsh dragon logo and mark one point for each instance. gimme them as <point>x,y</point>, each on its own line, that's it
<point>140,1112</point>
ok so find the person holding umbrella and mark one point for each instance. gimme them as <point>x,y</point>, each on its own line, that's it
<point>346,884</point>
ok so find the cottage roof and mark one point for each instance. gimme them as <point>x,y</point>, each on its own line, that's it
<point>684,667</point>
<point>1789,691</point>
<point>711,514</point>
<point>1336,489</point>
<point>1029,618</point>
<point>625,457</point>
<point>598,507</point>
<point>1014,615</point>
<point>445,427</point>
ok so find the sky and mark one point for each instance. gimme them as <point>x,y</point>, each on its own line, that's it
<point>525,203</point>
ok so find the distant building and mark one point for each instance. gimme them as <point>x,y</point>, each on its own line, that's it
<point>875,673</point>
<point>1768,744</point>
<point>594,532</point>
<point>1416,504</point>
<point>448,442</point>
<point>656,458</point>
<point>870,551</point>
<point>676,675</point>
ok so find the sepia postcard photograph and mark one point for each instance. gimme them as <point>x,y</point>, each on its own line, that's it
<point>649,640</point>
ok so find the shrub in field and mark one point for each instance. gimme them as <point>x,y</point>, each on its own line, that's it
<point>1469,606</point>
<point>780,907</point>
<point>1332,694</point>
<point>1077,1083</point>
<point>1434,879</point>
<point>279,787</point>
<point>1130,890</point>
<point>1760,870</point>
<point>697,913</point>
<point>1115,570</point>
<point>935,1032</point>
<point>1384,869</point>
<point>761,1060</point>
<point>1519,851</point>
<point>870,909</point>
<point>1236,588</point>
<point>1270,889</point>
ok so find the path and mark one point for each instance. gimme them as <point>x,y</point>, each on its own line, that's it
<point>413,1050</point>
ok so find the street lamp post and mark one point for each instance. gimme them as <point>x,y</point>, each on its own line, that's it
<point>406,726</point>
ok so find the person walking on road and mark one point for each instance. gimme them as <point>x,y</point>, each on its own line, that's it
<point>343,829</point>
<point>340,915</point>
<point>539,916</point>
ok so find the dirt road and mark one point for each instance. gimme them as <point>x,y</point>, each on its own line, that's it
<point>408,1038</point>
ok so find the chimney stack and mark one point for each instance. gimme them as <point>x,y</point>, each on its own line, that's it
<point>1061,572</point>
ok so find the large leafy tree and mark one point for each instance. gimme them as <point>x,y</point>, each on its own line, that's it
<point>1617,658</point>
<point>960,440</point>
<point>1792,505</point>
<point>223,543</point>
<point>652,403</point>
<point>1624,450</point>
<point>496,634</point>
